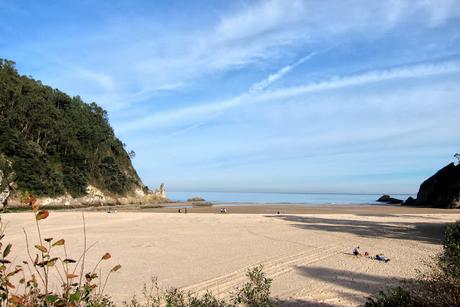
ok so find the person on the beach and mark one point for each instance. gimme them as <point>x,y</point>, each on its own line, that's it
<point>185,210</point>
<point>178,210</point>
<point>382,257</point>
<point>356,251</point>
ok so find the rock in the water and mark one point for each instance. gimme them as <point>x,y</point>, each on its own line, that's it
<point>442,190</point>
<point>395,201</point>
<point>384,198</point>
<point>389,200</point>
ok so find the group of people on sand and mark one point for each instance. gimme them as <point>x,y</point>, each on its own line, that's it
<point>180,210</point>
<point>378,257</point>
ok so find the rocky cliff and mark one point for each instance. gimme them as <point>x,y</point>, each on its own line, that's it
<point>442,190</point>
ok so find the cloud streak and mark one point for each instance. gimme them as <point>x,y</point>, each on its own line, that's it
<point>259,86</point>
<point>191,114</point>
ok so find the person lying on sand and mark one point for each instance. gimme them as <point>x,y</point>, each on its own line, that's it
<point>382,257</point>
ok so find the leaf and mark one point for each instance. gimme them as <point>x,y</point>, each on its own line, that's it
<point>75,297</point>
<point>59,242</point>
<point>48,239</point>
<point>106,256</point>
<point>36,259</point>
<point>15,300</point>
<point>116,268</point>
<point>70,276</point>
<point>10,285</point>
<point>51,298</point>
<point>4,261</point>
<point>90,277</point>
<point>14,272</point>
<point>41,215</point>
<point>41,248</point>
<point>52,262</point>
<point>7,250</point>
<point>68,260</point>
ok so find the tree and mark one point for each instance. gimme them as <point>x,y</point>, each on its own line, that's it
<point>58,143</point>
<point>457,156</point>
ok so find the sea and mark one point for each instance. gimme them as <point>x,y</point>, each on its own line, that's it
<point>236,198</point>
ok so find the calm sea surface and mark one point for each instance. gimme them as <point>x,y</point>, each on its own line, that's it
<point>288,198</point>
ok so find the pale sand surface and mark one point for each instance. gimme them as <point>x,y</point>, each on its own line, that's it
<point>307,255</point>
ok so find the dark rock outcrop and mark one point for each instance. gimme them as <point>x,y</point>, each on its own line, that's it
<point>442,190</point>
<point>389,200</point>
<point>410,201</point>
<point>384,198</point>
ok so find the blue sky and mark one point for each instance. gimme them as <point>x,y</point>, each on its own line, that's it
<point>285,96</point>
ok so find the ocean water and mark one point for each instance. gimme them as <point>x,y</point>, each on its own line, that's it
<point>288,198</point>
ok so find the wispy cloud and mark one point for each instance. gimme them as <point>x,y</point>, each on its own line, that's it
<point>192,114</point>
<point>259,86</point>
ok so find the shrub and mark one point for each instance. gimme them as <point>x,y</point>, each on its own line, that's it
<point>256,292</point>
<point>450,258</point>
<point>392,298</point>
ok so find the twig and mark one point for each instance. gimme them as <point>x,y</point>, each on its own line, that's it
<point>30,257</point>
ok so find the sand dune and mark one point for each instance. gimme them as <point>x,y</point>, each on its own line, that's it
<point>308,256</point>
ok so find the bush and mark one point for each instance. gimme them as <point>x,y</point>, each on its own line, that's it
<point>450,258</point>
<point>394,297</point>
<point>255,293</point>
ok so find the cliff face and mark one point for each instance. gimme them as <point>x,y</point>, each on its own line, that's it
<point>59,144</point>
<point>442,190</point>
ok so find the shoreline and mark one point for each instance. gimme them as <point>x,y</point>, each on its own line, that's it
<point>253,208</point>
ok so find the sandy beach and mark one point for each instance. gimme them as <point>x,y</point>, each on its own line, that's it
<point>306,250</point>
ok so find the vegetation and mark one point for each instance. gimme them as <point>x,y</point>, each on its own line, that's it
<point>255,293</point>
<point>58,143</point>
<point>47,258</point>
<point>439,287</point>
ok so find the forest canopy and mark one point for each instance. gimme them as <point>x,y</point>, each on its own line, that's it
<point>58,143</point>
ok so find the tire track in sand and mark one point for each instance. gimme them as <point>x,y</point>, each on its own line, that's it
<point>274,267</point>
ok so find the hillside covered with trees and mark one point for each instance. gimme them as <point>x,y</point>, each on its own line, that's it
<point>56,143</point>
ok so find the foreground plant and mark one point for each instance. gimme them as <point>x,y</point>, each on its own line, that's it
<point>77,286</point>
<point>254,293</point>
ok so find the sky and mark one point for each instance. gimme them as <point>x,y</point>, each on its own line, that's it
<point>266,96</point>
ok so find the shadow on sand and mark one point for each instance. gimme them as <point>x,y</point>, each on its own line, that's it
<point>361,284</point>
<point>425,232</point>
